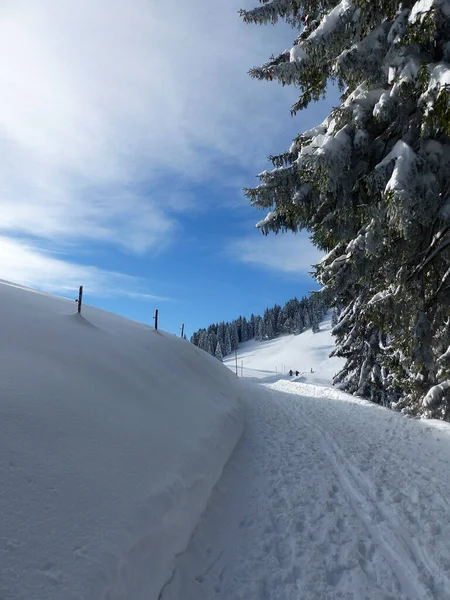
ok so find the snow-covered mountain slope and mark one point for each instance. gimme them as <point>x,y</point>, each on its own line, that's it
<point>112,436</point>
<point>326,496</point>
<point>271,360</point>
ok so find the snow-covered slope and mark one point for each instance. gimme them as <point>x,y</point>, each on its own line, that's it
<point>326,497</point>
<point>112,436</point>
<point>271,360</point>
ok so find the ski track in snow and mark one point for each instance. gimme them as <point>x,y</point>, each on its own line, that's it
<point>325,497</point>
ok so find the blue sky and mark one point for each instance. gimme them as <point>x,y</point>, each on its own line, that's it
<point>128,129</point>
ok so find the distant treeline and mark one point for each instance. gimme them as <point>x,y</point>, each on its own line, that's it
<point>295,316</point>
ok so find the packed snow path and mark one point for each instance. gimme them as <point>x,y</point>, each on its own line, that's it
<point>325,497</point>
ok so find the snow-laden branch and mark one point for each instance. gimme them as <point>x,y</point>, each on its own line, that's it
<point>436,394</point>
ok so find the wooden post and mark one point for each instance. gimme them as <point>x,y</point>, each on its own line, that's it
<point>80,298</point>
<point>235,353</point>
<point>182,329</point>
<point>156,319</point>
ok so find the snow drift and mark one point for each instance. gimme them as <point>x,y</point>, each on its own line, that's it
<point>112,436</point>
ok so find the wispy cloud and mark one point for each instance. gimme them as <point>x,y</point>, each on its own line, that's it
<point>108,106</point>
<point>27,264</point>
<point>289,253</point>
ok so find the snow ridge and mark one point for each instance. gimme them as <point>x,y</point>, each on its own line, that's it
<point>112,436</point>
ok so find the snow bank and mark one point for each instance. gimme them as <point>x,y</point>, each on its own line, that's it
<point>112,436</point>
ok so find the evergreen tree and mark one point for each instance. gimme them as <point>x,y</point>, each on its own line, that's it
<point>289,325</point>
<point>234,335</point>
<point>218,353</point>
<point>270,331</point>
<point>202,340</point>
<point>210,348</point>
<point>252,333</point>
<point>315,324</point>
<point>244,330</point>
<point>371,185</point>
<point>280,323</point>
<point>261,329</point>
<point>276,319</point>
<point>306,318</point>
<point>298,322</point>
<point>228,342</point>
<point>221,333</point>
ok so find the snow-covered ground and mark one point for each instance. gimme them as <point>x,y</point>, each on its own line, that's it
<point>325,497</point>
<point>112,436</point>
<point>271,359</point>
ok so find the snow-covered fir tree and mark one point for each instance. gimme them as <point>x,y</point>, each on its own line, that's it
<point>371,183</point>
<point>218,353</point>
<point>228,343</point>
<point>261,330</point>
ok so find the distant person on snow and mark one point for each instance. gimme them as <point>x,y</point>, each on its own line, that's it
<point>290,373</point>
<point>296,373</point>
<point>312,370</point>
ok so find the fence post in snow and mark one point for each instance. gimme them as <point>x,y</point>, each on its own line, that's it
<point>182,329</point>
<point>156,319</point>
<point>80,298</point>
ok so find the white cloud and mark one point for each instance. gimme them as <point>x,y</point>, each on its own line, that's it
<point>288,253</point>
<point>102,100</point>
<point>24,263</point>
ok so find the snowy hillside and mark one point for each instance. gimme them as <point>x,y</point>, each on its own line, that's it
<point>272,359</point>
<point>112,436</point>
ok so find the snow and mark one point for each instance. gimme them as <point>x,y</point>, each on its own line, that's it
<point>362,100</point>
<point>326,496</point>
<point>407,75</point>
<point>404,158</point>
<point>398,27</point>
<point>112,436</point>
<point>446,356</point>
<point>382,104</point>
<point>301,193</point>
<point>435,393</point>
<point>267,219</point>
<point>419,9</point>
<point>312,133</point>
<point>380,296</point>
<point>338,263</point>
<point>328,26</point>
<point>297,53</point>
<point>435,154</point>
<point>333,148</point>
<point>440,76</point>
<point>271,359</point>
<point>331,20</point>
<point>338,145</point>
<point>356,245</point>
<point>422,7</point>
